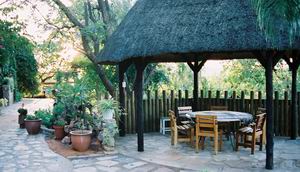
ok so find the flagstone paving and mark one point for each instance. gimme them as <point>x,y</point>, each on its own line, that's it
<point>27,153</point>
<point>21,152</point>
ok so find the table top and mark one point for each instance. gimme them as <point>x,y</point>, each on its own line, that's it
<point>226,116</point>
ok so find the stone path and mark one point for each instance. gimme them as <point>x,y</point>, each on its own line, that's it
<point>23,153</point>
<point>158,150</point>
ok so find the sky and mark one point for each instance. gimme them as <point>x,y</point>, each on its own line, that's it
<point>212,68</point>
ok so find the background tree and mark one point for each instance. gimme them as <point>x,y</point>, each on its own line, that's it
<point>50,60</point>
<point>248,75</point>
<point>17,59</point>
<point>95,21</point>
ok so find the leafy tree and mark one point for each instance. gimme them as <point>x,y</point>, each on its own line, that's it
<point>49,60</point>
<point>17,58</point>
<point>249,75</point>
<point>88,71</point>
<point>94,21</point>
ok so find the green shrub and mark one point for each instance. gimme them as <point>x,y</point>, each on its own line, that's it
<point>22,111</point>
<point>46,117</point>
<point>31,117</point>
<point>109,104</point>
<point>59,123</point>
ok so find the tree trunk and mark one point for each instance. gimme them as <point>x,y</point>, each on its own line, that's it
<point>89,52</point>
<point>106,82</point>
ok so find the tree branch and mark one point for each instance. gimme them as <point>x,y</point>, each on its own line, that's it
<point>68,13</point>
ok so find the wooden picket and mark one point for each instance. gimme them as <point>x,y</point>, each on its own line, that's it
<point>157,104</point>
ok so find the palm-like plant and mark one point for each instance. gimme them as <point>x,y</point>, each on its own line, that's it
<point>275,16</point>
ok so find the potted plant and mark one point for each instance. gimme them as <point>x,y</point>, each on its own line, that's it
<point>22,115</point>
<point>46,116</point>
<point>109,108</point>
<point>59,129</point>
<point>81,139</point>
<point>33,124</point>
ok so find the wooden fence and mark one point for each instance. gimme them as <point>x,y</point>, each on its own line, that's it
<point>156,105</point>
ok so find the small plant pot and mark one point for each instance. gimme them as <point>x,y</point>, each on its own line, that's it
<point>33,126</point>
<point>81,140</point>
<point>59,132</point>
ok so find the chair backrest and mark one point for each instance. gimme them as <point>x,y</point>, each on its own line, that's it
<point>261,110</point>
<point>206,122</point>
<point>184,110</point>
<point>260,121</point>
<point>225,108</point>
<point>172,119</point>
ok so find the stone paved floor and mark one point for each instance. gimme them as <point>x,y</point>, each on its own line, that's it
<point>158,150</point>
<point>20,152</point>
<point>23,153</point>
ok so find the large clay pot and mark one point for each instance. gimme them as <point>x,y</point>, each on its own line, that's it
<point>81,140</point>
<point>33,126</point>
<point>59,132</point>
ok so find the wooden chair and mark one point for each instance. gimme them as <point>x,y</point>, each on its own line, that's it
<point>261,110</point>
<point>180,133</point>
<point>253,131</point>
<point>207,126</point>
<point>221,108</point>
<point>182,111</point>
<point>224,126</point>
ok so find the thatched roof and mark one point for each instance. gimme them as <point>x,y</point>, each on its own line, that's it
<point>176,30</point>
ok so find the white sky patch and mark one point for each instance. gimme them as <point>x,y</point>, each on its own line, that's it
<point>212,68</point>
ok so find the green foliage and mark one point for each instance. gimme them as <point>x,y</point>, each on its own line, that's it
<point>249,75</point>
<point>72,97</point>
<point>271,12</point>
<point>59,123</point>
<point>46,116</point>
<point>17,59</point>
<point>3,102</point>
<point>31,117</point>
<point>109,131</point>
<point>58,110</point>
<point>22,111</point>
<point>88,72</point>
<point>110,104</point>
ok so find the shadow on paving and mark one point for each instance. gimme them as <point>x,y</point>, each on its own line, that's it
<point>158,150</point>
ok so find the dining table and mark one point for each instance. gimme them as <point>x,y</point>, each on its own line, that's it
<point>227,118</point>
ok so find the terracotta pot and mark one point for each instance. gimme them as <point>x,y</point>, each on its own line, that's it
<point>81,140</point>
<point>33,126</point>
<point>59,132</point>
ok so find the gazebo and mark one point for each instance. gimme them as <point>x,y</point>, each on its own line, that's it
<point>191,31</point>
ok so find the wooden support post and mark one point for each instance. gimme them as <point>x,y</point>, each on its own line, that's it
<point>122,122</point>
<point>138,90</point>
<point>196,67</point>
<point>268,61</point>
<point>293,63</point>
<point>294,117</point>
<point>196,92</point>
<point>270,127</point>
